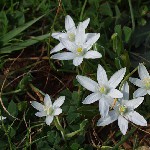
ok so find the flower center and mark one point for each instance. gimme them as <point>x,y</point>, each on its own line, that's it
<point>122,109</point>
<point>146,82</point>
<point>48,110</point>
<point>79,49</point>
<point>103,90</point>
<point>71,37</point>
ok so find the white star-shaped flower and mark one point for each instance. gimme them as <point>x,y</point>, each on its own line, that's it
<point>143,83</point>
<point>48,110</point>
<point>104,91</point>
<point>69,34</point>
<point>2,118</point>
<point>80,48</point>
<point>124,112</point>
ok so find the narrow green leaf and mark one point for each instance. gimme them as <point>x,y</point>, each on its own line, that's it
<point>24,44</point>
<point>12,108</point>
<point>8,36</point>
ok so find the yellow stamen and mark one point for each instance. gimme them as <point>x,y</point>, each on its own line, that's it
<point>146,82</point>
<point>79,49</point>
<point>71,37</point>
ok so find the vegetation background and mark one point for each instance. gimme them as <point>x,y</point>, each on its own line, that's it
<point>26,71</point>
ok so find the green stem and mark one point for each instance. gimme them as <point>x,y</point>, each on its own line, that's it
<point>81,15</point>
<point>36,89</point>
<point>9,139</point>
<point>73,133</point>
<point>59,127</point>
<point>132,15</point>
<point>127,77</point>
<point>12,92</point>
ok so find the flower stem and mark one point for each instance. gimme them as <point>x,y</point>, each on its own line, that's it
<point>81,15</point>
<point>59,127</point>
<point>127,77</point>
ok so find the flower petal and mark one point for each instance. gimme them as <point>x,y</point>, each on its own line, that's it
<point>143,73</point>
<point>114,93</point>
<point>57,111</point>
<point>64,56</point>
<point>59,101</point>
<point>68,45</point>
<point>49,120</point>
<point>57,48</point>
<point>148,91</point>
<point>101,75</point>
<point>87,83</point>
<point>125,91</point>
<point>92,98</point>
<point>111,117</point>
<point>59,35</point>
<point>37,105</point>
<point>134,103</point>
<point>89,35</point>
<point>92,55</point>
<point>69,23</point>
<point>136,118</point>
<point>136,82</point>
<point>47,100</point>
<point>91,41</point>
<point>77,61</point>
<point>123,124</point>
<point>103,107</point>
<point>80,35</point>
<point>116,78</point>
<point>2,118</point>
<point>41,114</point>
<point>85,23</point>
<point>140,92</point>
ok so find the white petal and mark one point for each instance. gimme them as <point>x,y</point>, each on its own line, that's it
<point>114,93</point>
<point>47,100</point>
<point>92,55</point>
<point>85,23</point>
<point>89,35</point>
<point>59,101</point>
<point>57,111</point>
<point>91,41</point>
<point>92,98</point>
<point>68,45</point>
<point>69,23</point>
<point>136,82</point>
<point>49,120</point>
<point>41,114</point>
<point>117,77</point>
<point>103,107</point>
<point>134,103</point>
<point>57,48</point>
<point>80,35</point>
<point>37,105</point>
<point>101,75</point>
<point>64,56</point>
<point>77,60</point>
<point>111,117</point>
<point>125,91</point>
<point>137,118</point>
<point>143,73</point>
<point>87,83</point>
<point>123,124</point>
<point>59,35</point>
<point>140,92</point>
<point>2,118</point>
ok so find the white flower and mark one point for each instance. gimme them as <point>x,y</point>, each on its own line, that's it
<point>69,34</point>
<point>143,83</point>
<point>48,109</point>
<point>2,118</point>
<point>124,112</point>
<point>80,48</point>
<point>104,90</point>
